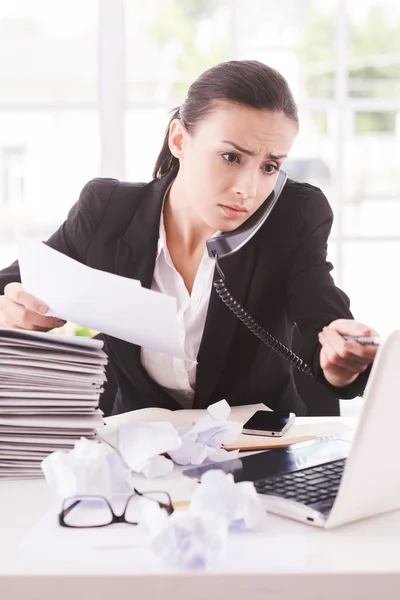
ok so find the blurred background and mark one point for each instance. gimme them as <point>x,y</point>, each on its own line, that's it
<point>86,87</point>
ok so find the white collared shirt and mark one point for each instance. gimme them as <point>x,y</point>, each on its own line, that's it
<point>175,375</point>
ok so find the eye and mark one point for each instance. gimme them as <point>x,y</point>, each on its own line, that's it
<point>270,168</point>
<point>230,157</point>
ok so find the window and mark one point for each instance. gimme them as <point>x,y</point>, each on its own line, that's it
<point>168,44</point>
<point>374,49</point>
<point>13,161</point>
<point>49,130</point>
<point>341,58</point>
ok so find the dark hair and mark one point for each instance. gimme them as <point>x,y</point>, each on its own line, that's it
<point>247,82</point>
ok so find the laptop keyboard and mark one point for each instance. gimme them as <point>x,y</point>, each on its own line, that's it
<point>308,486</point>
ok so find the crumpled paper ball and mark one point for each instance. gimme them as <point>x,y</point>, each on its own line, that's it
<point>204,439</point>
<point>198,537</point>
<point>237,503</point>
<point>83,470</point>
<point>141,444</point>
<point>90,468</point>
<point>191,540</point>
<point>184,539</point>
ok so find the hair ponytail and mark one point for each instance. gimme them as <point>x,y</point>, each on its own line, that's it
<point>166,161</point>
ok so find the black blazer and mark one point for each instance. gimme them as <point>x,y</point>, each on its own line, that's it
<point>281,276</point>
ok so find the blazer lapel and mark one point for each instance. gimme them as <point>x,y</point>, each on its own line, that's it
<point>135,258</point>
<point>221,323</point>
<point>137,248</point>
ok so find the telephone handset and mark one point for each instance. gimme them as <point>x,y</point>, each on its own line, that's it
<point>226,244</point>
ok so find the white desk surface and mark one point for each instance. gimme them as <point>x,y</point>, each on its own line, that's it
<point>287,560</point>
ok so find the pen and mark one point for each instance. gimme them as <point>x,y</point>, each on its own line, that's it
<point>180,504</point>
<point>374,340</point>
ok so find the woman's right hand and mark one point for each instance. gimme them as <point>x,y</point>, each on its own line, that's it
<point>20,310</point>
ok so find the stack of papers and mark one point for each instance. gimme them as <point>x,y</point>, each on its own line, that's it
<point>50,387</point>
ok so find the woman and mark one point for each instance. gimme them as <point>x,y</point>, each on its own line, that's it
<point>220,160</point>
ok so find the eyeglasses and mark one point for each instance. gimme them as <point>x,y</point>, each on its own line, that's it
<point>96,511</point>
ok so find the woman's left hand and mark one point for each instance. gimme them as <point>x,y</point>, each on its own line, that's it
<point>342,360</point>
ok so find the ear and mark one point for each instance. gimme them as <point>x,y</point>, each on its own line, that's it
<point>177,133</point>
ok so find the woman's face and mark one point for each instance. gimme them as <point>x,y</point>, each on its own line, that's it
<point>230,163</point>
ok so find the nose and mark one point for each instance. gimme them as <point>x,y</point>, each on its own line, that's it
<point>246,184</point>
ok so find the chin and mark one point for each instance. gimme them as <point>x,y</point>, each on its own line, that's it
<point>231,225</point>
<point>223,224</point>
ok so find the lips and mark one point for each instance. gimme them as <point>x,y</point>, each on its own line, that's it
<point>234,211</point>
<point>236,207</point>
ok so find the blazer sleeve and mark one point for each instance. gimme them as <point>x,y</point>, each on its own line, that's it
<point>313,300</point>
<point>74,235</point>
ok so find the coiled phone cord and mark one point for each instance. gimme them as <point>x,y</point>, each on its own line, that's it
<point>254,327</point>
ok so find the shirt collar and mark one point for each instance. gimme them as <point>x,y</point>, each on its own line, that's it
<point>162,238</point>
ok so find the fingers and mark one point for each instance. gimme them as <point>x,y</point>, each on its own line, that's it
<point>20,310</point>
<point>330,362</point>
<point>347,351</point>
<point>336,374</point>
<point>353,328</point>
<point>16,293</point>
<point>342,353</point>
<point>16,316</point>
<point>343,360</point>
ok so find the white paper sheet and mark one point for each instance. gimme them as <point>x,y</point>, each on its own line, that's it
<point>38,421</point>
<point>35,456</point>
<point>85,351</point>
<point>53,356</point>
<point>121,544</point>
<point>75,368</point>
<point>36,403</point>
<point>57,410</point>
<point>44,340</point>
<point>49,396</point>
<point>57,445</point>
<point>53,374</point>
<point>115,305</point>
<point>76,393</point>
<point>43,432</point>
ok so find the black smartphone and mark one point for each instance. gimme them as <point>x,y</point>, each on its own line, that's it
<point>266,422</point>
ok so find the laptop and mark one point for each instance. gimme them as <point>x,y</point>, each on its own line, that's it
<point>336,479</point>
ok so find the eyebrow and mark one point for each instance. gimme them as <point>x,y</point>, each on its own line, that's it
<point>250,153</point>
